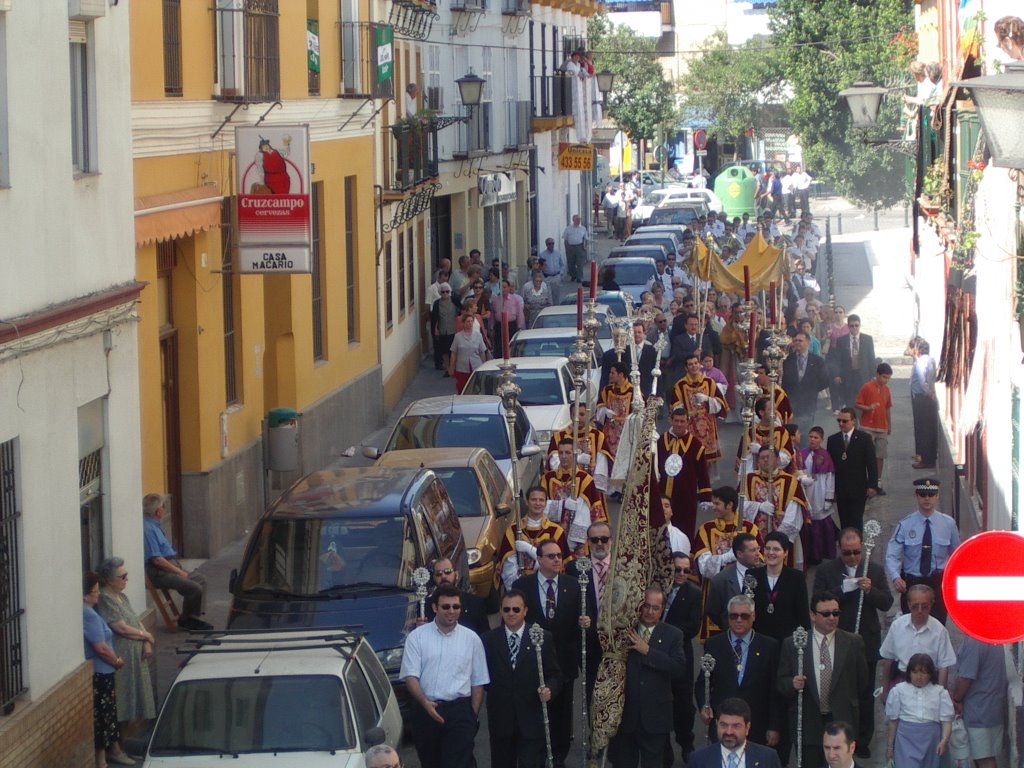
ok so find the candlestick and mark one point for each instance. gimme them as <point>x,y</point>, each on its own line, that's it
<point>593,280</point>
<point>746,282</point>
<point>579,308</point>
<point>504,333</point>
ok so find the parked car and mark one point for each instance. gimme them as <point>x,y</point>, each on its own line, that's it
<point>674,194</point>
<point>482,498</point>
<point>538,342</point>
<point>319,697</point>
<point>546,385</point>
<point>676,213</point>
<point>339,547</point>
<point>615,301</point>
<point>666,239</point>
<point>564,316</point>
<point>634,267</point>
<point>467,421</point>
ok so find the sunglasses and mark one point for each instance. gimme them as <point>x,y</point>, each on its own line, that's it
<point>740,616</point>
<point>444,572</point>
<point>843,421</point>
<point>682,570</point>
<point>600,539</point>
<point>927,493</point>
<point>833,614</point>
<point>511,609</point>
<point>450,606</point>
<point>444,292</point>
<point>851,552</point>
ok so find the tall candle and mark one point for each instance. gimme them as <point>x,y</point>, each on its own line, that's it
<point>771,303</point>
<point>593,280</point>
<point>751,335</point>
<point>504,333</point>
<point>746,283</point>
<point>579,308</point>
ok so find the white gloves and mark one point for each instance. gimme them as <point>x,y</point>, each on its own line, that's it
<point>526,548</point>
<point>766,507</point>
<point>603,413</point>
<point>583,459</point>
<point>806,480</point>
<point>571,504</point>
<point>509,572</point>
<point>700,397</point>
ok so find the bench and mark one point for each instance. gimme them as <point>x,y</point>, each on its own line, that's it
<point>165,605</point>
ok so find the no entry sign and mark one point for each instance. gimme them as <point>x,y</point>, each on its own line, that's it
<point>983,586</point>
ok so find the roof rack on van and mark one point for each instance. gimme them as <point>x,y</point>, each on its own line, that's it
<point>342,639</point>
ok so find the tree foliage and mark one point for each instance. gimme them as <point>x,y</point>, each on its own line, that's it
<point>824,46</point>
<point>641,100</point>
<point>730,87</point>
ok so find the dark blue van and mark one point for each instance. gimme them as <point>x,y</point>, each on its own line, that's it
<point>339,548</point>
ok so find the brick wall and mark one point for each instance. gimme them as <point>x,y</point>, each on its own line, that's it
<point>53,731</point>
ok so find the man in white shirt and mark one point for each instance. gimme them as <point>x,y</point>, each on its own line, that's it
<point>445,670</point>
<point>552,264</point>
<point>916,632</point>
<point>802,189</point>
<point>788,209</point>
<point>575,239</point>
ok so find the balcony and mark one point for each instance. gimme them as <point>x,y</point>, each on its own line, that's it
<point>474,137</point>
<point>552,101</point>
<point>518,124</point>
<point>515,7</point>
<point>359,71</point>
<point>411,156</point>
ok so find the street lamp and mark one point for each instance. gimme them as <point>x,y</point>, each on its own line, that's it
<point>1000,100</point>
<point>864,100</point>
<point>471,89</point>
<point>605,81</point>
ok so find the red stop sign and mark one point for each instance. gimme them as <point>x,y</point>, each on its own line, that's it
<point>983,586</point>
<point>700,139</point>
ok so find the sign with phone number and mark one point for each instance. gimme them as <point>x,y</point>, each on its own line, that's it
<point>575,157</point>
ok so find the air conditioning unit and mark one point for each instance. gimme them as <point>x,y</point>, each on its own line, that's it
<point>81,10</point>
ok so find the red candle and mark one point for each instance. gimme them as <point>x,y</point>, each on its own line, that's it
<point>752,335</point>
<point>504,333</point>
<point>771,303</point>
<point>746,283</point>
<point>579,308</point>
<point>593,280</point>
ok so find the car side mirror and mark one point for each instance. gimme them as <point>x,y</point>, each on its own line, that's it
<point>374,736</point>
<point>502,509</point>
<point>530,450</point>
<point>371,452</point>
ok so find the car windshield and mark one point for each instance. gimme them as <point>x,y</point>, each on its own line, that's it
<point>632,274</point>
<point>464,488</point>
<point>672,216</point>
<point>306,556</point>
<point>452,430</point>
<point>541,347</point>
<point>654,197</point>
<point>217,716</point>
<point>568,320</point>
<point>539,387</point>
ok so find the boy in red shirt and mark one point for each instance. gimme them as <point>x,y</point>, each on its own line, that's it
<point>874,401</point>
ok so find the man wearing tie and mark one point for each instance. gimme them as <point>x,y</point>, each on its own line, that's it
<point>682,611</point>
<point>656,659</point>
<point>729,582</point>
<point>921,545</point>
<point>599,537</point>
<point>804,375</point>
<point>515,711</point>
<point>852,360</point>
<point>733,749</point>
<point>853,455</point>
<point>554,601</point>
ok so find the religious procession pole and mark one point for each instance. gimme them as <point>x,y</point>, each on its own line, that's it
<point>747,388</point>
<point>871,530</point>
<point>421,577</point>
<point>509,391</point>
<point>583,566</point>
<point>537,638</point>
<point>800,643</point>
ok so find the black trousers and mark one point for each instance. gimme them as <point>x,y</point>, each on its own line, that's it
<point>448,744</point>
<point>560,716</point>
<point>926,427</point>
<point>933,580</point>
<point>442,346</point>
<point>515,751</point>
<point>638,749</point>
<point>851,512</point>
<point>683,711</point>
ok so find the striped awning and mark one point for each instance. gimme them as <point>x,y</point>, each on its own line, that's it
<point>171,215</point>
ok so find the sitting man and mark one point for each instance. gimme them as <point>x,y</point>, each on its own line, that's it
<point>163,569</point>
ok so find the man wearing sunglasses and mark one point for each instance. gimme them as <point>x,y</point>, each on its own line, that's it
<point>682,611</point>
<point>474,608</point>
<point>921,545</point>
<point>445,670</point>
<point>834,676</point>
<point>846,578</point>
<point>599,542</point>
<point>746,665</point>
<point>853,455</point>
<point>515,701</point>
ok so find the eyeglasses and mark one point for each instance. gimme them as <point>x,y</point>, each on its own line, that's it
<point>600,539</point>
<point>450,606</point>
<point>851,552</point>
<point>927,493</point>
<point>123,576</point>
<point>553,555</point>
<point>444,572</point>
<point>843,421</point>
<point>682,570</point>
<point>833,614</point>
<point>740,616</point>
<point>511,609</point>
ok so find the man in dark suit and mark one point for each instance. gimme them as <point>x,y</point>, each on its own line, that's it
<point>733,727</point>
<point>852,360</point>
<point>728,582</point>
<point>599,539</point>
<point>553,600</point>
<point>834,676</point>
<point>804,375</point>
<point>853,454</point>
<point>685,340</point>
<point>746,665</point>
<point>656,659</point>
<point>474,609</point>
<point>647,360</point>
<point>515,710</point>
<point>682,611</point>
<point>846,578</point>
<point>839,746</point>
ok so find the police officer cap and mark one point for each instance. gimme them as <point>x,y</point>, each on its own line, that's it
<point>926,484</point>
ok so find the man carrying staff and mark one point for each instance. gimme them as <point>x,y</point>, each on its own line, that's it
<point>704,404</point>
<point>579,501</point>
<point>591,452</point>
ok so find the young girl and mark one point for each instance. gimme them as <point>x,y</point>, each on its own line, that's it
<point>816,472</point>
<point>920,714</point>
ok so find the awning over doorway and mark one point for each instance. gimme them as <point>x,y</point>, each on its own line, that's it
<point>176,214</point>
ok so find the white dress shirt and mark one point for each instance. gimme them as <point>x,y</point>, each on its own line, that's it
<point>447,666</point>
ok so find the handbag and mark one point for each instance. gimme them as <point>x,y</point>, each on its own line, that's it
<point>959,746</point>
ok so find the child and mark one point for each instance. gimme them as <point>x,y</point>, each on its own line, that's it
<point>920,715</point>
<point>816,472</point>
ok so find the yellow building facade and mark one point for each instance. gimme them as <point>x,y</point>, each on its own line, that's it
<point>219,349</point>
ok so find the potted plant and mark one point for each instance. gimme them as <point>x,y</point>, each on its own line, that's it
<point>934,190</point>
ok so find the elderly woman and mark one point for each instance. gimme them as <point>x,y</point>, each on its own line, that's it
<point>105,662</point>
<point>131,641</point>
<point>536,295</point>
<point>468,350</point>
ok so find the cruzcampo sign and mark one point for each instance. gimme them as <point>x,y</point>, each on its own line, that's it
<point>273,199</point>
<point>385,53</point>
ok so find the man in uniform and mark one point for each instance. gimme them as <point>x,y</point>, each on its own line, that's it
<point>445,671</point>
<point>591,452</point>
<point>704,404</point>
<point>776,502</point>
<point>921,545</point>
<point>579,501</point>
<point>682,611</point>
<point>536,527</point>
<point>614,405</point>
<point>682,472</point>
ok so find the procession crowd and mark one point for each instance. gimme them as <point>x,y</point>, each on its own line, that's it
<point>781,672</point>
